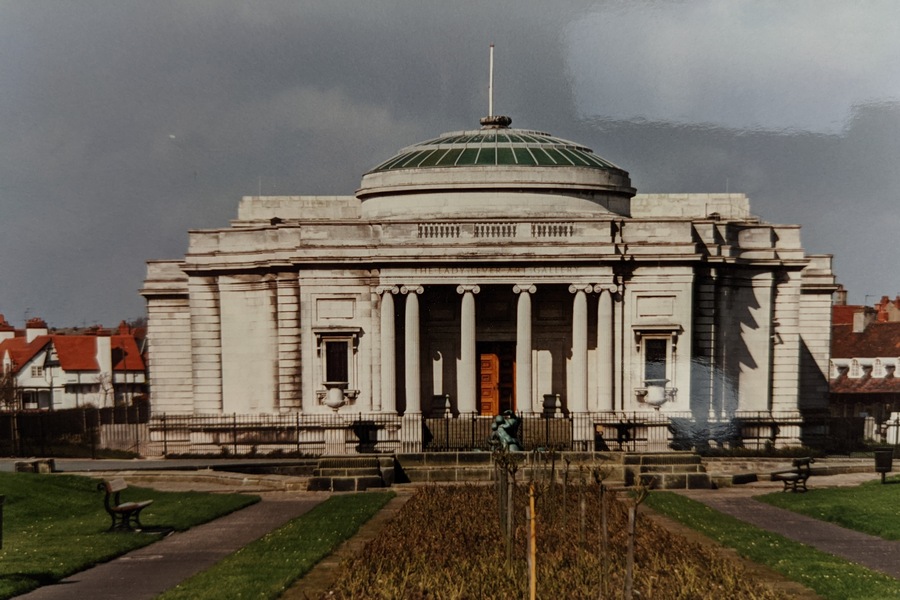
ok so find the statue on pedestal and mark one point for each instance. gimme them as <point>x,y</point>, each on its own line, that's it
<point>505,431</point>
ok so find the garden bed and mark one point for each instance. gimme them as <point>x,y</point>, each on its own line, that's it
<point>447,543</point>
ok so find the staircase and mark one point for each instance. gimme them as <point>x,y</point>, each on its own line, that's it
<point>351,474</point>
<point>669,471</point>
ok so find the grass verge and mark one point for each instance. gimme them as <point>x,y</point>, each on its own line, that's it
<point>870,508</point>
<point>829,576</point>
<point>268,566</point>
<point>55,525</point>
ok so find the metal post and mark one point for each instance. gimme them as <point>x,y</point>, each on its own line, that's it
<point>234,432</point>
<point>2,501</point>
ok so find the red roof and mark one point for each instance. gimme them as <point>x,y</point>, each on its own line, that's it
<point>842,314</point>
<point>125,353</point>
<point>21,351</point>
<point>878,339</point>
<point>865,385</point>
<point>76,352</point>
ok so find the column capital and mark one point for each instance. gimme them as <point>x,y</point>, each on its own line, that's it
<point>462,289</point>
<point>587,288</point>
<point>527,288</point>
<point>606,287</point>
<point>411,289</point>
<point>384,289</point>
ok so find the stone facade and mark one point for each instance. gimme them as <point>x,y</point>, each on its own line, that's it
<point>500,278</point>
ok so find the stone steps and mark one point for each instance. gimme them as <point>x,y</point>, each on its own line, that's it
<point>669,471</point>
<point>352,474</point>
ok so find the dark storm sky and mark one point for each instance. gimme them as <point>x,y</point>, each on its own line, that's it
<point>125,123</point>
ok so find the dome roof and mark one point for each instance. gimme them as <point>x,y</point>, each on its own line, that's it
<point>495,159</point>
<point>495,147</point>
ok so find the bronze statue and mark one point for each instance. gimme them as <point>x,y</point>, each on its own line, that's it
<point>505,431</point>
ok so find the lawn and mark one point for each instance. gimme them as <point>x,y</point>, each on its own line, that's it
<point>872,507</point>
<point>268,566</point>
<point>55,525</point>
<point>829,576</point>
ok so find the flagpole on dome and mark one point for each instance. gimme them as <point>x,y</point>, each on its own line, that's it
<point>490,121</point>
<point>491,85</point>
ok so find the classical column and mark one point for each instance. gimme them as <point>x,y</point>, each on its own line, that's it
<point>524,393</point>
<point>467,375</point>
<point>388,351</point>
<point>413,377</point>
<point>605,351</point>
<point>577,396</point>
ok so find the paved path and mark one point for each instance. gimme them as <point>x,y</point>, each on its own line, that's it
<point>867,550</point>
<point>147,572</point>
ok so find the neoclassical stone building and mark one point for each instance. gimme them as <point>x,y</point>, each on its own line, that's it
<point>494,269</point>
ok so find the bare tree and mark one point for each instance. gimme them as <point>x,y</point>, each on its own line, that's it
<point>9,390</point>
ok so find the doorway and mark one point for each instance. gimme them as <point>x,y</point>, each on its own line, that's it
<point>497,377</point>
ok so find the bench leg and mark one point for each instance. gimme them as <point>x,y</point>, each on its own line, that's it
<point>136,519</point>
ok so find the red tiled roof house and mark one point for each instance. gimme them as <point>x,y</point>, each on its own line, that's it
<point>67,371</point>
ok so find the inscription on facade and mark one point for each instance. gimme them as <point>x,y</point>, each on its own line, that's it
<point>469,271</point>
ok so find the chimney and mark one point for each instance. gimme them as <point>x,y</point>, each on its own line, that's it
<point>34,328</point>
<point>104,352</point>
<point>862,318</point>
<point>7,331</point>
<point>840,296</point>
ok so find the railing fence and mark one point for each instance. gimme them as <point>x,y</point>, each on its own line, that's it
<point>82,432</point>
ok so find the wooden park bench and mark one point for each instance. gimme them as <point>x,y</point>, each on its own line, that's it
<point>125,515</point>
<point>795,478</point>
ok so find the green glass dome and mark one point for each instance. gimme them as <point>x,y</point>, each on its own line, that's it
<point>494,171</point>
<point>494,147</point>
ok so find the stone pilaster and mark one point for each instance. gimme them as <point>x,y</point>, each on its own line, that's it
<point>786,352</point>
<point>288,324</point>
<point>206,345</point>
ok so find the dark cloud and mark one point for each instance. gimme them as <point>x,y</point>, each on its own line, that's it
<point>125,123</point>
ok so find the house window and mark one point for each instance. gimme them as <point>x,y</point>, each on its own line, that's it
<point>656,363</point>
<point>37,371</point>
<point>855,371</point>
<point>878,368</point>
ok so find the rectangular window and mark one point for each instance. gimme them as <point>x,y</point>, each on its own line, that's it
<point>37,371</point>
<point>336,349</point>
<point>656,360</point>
<point>337,361</point>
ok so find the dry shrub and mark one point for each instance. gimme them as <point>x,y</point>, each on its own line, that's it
<point>447,544</point>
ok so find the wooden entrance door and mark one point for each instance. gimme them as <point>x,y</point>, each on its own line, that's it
<point>489,386</point>
<point>497,376</point>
